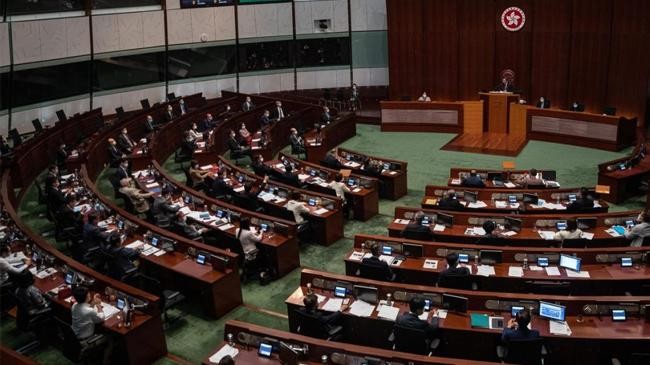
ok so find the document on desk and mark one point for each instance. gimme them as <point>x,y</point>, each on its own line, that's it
<point>455,182</point>
<point>321,211</point>
<point>160,253</point>
<point>478,204</point>
<point>509,185</point>
<point>361,309</point>
<point>226,227</point>
<point>424,316</point>
<point>485,270</point>
<point>227,350</point>
<point>438,228</point>
<point>587,235</point>
<point>333,305</point>
<point>206,167</point>
<point>356,190</point>
<point>44,273</point>
<point>303,177</point>
<point>239,189</point>
<point>387,312</point>
<point>401,221</point>
<point>500,204</point>
<point>441,313</point>
<point>430,264</point>
<point>516,271</point>
<point>577,274</point>
<point>509,233</point>
<point>320,298</point>
<point>109,310</point>
<point>615,232</point>
<point>559,328</point>
<point>356,256</point>
<point>552,271</point>
<point>185,210</point>
<point>536,268</point>
<point>547,235</point>
<point>135,244</point>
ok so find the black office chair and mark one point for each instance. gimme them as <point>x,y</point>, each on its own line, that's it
<point>574,243</point>
<point>145,104</point>
<point>632,359</point>
<point>60,114</point>
<point>421,236</point>
<point>371,272</point>
<point>310,325</point>
<point>33,321</point>
<point>548,287</point>
<point>171,96</point>
<point>168,298</point>
<point>412,340</point>
<point>119,111</point>
<point>525,352</point>
<point>86,351</point>
<point>456,282</point>
<point>38,127</point>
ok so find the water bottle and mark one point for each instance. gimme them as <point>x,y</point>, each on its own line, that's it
<point>525,263</point>
<point>231,342</point>
<point>389,299</point>
<point>476,260</point>
<point>309,291</point>
<point>323,359</point>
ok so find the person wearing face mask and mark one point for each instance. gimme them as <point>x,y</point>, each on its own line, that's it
<point>125,143</point>
<point>245,135</point>
<point>236,149</point>
<point>61,156</point>
<point>114,153</point>
<point>297,143</point>
<point>326,117</point>
<point>639,232</point>
<point>182,107</point>
<point>265,120</point>
<point>247,105</point>
<point>149,124</point>
<point>259,167</point>
<point>194,132</point>
<point>169,114</point>
<point>543,103</point>
<point>424,97</point>
<point>207,123</point>
<point>278,113</point>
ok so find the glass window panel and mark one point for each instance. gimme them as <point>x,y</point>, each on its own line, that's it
<point>265,56</point>
<point>125,71</point>
<point>202,61</point>
<point>50,83</point>
<point>204,3</point>
<point>244,2</point>
<point>4,90</point>
<point>370,49</point>
<point>323,52</point>
<point>17,7</point>
<point>109,4</point>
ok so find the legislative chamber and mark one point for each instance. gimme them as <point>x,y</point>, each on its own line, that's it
<point>349,182</point>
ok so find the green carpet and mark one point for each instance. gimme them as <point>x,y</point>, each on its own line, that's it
<point>193,336</point>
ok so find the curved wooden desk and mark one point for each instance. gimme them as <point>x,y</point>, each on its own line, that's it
<point>415,116</point>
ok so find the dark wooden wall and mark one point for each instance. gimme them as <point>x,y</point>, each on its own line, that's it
<point>592,51</point>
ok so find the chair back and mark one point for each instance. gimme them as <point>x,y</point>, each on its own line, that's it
<point>525,352</point>
<point>310,325</point>
<point>455,282</point>
<point>411,340</point>
<point>574,243</point>
<point>71,345</point>
<point>372,272</point>
<point>38,127</point>
<point>421,236</point>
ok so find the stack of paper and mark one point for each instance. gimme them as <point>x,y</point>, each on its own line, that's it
<point>206,167</point>
<point>303,177</point>
<point>321,211</point>
<point>441,313</point>
<point>516,271</point>
<point>109,310</point>
<point>333,305</point>
<point>361,309</point>
<point>535,268</point>
<point>388,312</point>
<point>135,244</point>
<point>552,271</point>
<point>509,185</point>
<point>239,189</point>
<point>226,350</point>
<point>455,182</point>
<point>587,235</point>
<point>485,270</point>
<point>430,264</point>
<point>226,227</point>
<point>401,221</point>
<point>547,235</point>
<point>509,233</point>
<point>478,204</point>
<point>356,256</point>
<point>577,274</point>
<point>559,328</point>
<point>438,228</point>
<point>500,203</point>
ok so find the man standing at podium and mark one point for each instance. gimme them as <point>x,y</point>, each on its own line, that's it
<point>505,86</point>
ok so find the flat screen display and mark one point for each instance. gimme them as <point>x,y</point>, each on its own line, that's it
<point>552,311</point>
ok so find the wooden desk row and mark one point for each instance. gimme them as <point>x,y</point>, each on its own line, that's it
<point>246,339</point>
<point>338,131</point>
<point>529,235</point>
<point>595,337</point>
<point>364,198</point>
<point>498,200</point>
<point>622,179</point>
<point>393,177</point>
<point>413,116</point>
<point>603,265</point>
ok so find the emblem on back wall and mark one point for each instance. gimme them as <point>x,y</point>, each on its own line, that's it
<point>513,19</point>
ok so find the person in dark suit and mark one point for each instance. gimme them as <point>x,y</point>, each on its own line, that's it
<point>125,143</point>
<point>122,257</point>
<point>374,262</point>
<point>182,107</point>
<point>415,230</point>
<point>297,143</point>
<point>247,105</point>
<point>92,235</point>
<point>122,171</point>
<point>53,172</point>
<point>169,114</point>
<point>235,147</point>
<point>327,320</point>
<point>326,117</point>
<point>543,103</point>
<point>583,203</point>
<point>411,318</point>
<point>55,197</point>
<point>489,237</point>
<point>5,149</point>
<point>61,156</point>
<point>505,85</point>
<point>265,120</point>
<point>149,124</point>
<point>219,185</point>
<point>207,123</point>
<point>259,167</point>
<point>331,160</point>
<point>114,153</point>
<point>450,201</point>
<point>518,328</point>
<point>278,113</point>
<point>289,177</point>
<point>162,208</point>
<point>452,269</point>
<point>473,180</point>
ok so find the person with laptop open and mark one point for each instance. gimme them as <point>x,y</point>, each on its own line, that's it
<point>640,231</point>
<point>517,328</point>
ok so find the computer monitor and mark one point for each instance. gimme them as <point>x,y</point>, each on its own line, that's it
<point>70,278</point>
<point>561,225</point>
<point>200,259</point>
<point>626,262</point>
<point>570,262</point>
<point>386,166</point>
<point>512,199</point>
<point>241,179</point>
<point>386,250</point>
<point>264,227</point>
<point>340,291</point>
<point>513,224</point>
<point>351,182</point>
<point>412,250</point>
<point>426,221</point>
<point>313,173</point>
<point>312,202</point>
<point>491,257</point>
<point>516,309</point>
<point>549,175</point>
<point>572,198</point>
<point>120,224</point>
<point>120,303</point>
<point>584,223</point>
<point>619,315</point>
<point>495,176</point>
<point>427,305</point>
<point>552,311</point>
<point>454,303</point>
<point>470,197</point>
<point>265,349</point>
<point>154,241</point>
<point>446,220</point>
<point>187,199</point>
<point>629,223</point>
<point>542,261</point>
<point>463,258</point>
<point>288,356</point>
<point>220,213</point>
<point>368,294</point>
<point>531,198</point>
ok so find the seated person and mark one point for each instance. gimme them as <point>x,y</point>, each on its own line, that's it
<point>297,207</point>
<point>247,105</point>
<point>374,262</point>
<point>6,268</point>
<point>122,171</point>
<point>68,217</point>
<point>235,147</point>
<point>30,301</point>
<point>637,233</point>
<point>87,311</point>
<point>122,258</point>
<point>450,201</point>
<point>543,103</point>
<point>138,198</point>
<point>207,123</point>
<point>163,209</point>
<point>194,132</point>
<point>326,117</point>
<point>259,167</point>
<point>473,180</point>
<point>197,175</point>
<point>169,114</point>
<point>248,237</point>
<point>290,177</point>
<point>415,230</point>
<point>61,156</point>
<point>332,160</point>
<point>571,232</point>
<point>424,97</point>
<point>339,187</point>
<point>125,143</point>
<point>114,153</point>
<point>265,120</point>
<point>297,143</point>
<point>518,328</point>
<point>92,236</point>
<point>189,230</point>
<point>220,187</point>
<point>373,168</point>
<point>412,320</point>
<point>585,201</point>
<point>489,237</point>
<point>533,177</point>
<point>327,320</point>
<point>149,124</point>
<point>278,113</point>
<point>245,136</point>
<point>452,270</point>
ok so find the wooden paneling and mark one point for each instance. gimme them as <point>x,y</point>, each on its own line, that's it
<point>593,51</point>
<point>473,112</point>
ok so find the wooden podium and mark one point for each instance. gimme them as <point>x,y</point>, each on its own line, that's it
<point>496,111</point>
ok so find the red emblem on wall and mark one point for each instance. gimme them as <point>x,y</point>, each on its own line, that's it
<point>513,19</point>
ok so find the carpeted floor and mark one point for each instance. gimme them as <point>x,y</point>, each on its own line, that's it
<point>193,336</point>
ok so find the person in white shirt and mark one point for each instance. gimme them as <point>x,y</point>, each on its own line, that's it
<point>297,207</point>
<point>339,187</point>
<point>86,313</point>
<point>637,233</point>
<point>248,238</point>
<point>194,132</point>
<point>424,97</point>
<point>571,232</point>
<point>6,267</point>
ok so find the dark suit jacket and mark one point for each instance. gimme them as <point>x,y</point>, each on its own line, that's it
<point>580,204</point>
<point>61,156</point>
<point>93,235</point>
<point>219,187</point>
<point>518,334</point>
<point>325,118</point>
<point>55,199</point>
<point>121,173</point>
<point>160,206</point>
<point>375,262</point>
<point>247,106</point>
<point>169,116</point>
<point>149,125</point>
<point>123,144</point>
<point>233,145</point>
<point>265,121</point>
<point>450,203</point>
<point>275,113</point>
<point>417,231</point>
<point>122,259</point>
<point>332,161</point>
<point>261,169</point>
<point>291,179</point>
<point>410,320</point>
<point>114,154</point>
<point>327,320</point>
<point>510,88</point>
<point>474,181</point>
